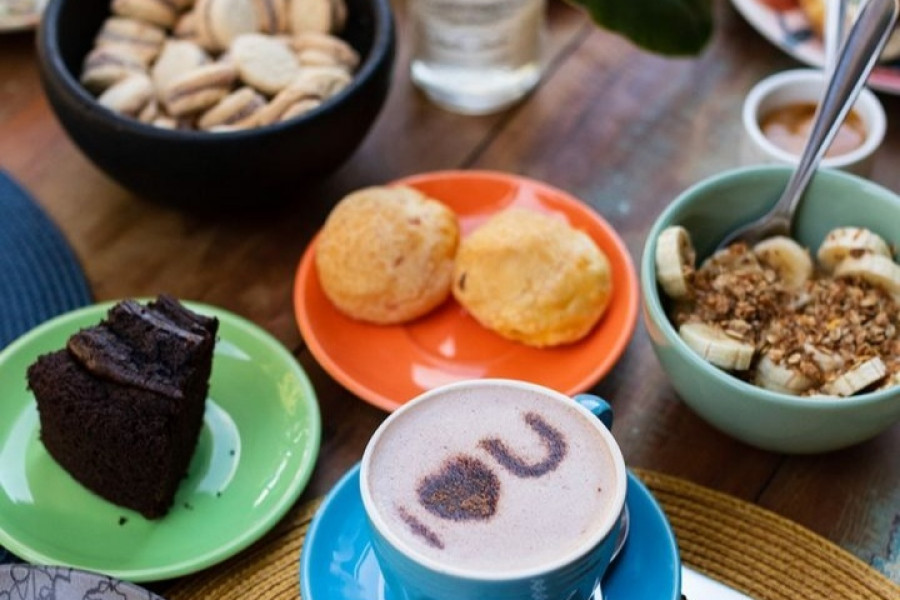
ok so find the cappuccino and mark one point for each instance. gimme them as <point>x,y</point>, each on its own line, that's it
<point>493,479</point>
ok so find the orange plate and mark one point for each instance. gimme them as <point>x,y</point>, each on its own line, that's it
<point>388,365</point>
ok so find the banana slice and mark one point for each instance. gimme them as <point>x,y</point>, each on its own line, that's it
<point>716,346</point>
<point>890,381</point>
<point>877,269</point>
<point>675,258</point>
<point>859,377</point>
<point>736,258</point>
<point>780,378</point>
<point>849,241</point>
<point>828,362</point>
<point>789,259</point>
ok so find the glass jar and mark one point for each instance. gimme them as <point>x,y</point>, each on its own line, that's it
<point>477,56</point>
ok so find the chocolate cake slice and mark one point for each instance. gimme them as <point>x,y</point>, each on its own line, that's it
<point>122,405</point>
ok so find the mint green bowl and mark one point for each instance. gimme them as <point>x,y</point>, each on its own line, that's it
<point>761,418</point>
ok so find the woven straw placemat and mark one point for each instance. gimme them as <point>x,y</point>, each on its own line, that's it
<point>746,547</point>
<point>758,552</point>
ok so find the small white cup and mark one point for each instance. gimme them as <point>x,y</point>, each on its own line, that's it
<point>806,86</point>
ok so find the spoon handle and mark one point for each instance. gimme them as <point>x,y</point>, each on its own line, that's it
<point>858,55</point>
<point>835,28</point>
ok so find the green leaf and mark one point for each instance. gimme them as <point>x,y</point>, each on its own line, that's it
<point>672,27</point>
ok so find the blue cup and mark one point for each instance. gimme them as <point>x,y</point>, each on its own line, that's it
<point>573,575</point>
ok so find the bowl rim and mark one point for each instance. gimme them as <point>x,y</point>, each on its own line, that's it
<point>654,310</point>
<point>383,44</point>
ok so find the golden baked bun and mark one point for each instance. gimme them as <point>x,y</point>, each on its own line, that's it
<point>385,254</point>
<point>532,278</point>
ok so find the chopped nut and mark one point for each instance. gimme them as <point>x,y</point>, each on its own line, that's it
<point>817,330</point>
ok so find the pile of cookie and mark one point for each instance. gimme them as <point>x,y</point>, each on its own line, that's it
<point>219,65</point>
<point>390,255</point>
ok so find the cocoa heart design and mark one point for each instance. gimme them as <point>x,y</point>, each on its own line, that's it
<point>464,489</point>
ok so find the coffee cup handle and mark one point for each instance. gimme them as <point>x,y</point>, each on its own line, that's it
<point>598,406</point>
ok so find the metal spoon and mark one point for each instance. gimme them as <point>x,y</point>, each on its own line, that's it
<point>625,520</point>
<point>835,27</point>
<point>857,56</point>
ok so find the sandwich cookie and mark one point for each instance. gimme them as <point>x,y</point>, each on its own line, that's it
<point>139,38</point>
<point>185,27</point>
<point>157,12</point>
<point>150,112</point>
<point>177,58</point>
<point>272,15</point>
<point>321,49</point>
<point>338,15</point>
<point>199,89</point>
<point>220,21</point>
<point>299,108</point>
<point>326,81</point>
<point>133,97</point>
<point>164,121</point>
<point>324,16</point>
<point>106,66</point>
<point>264,62</point>
<point>308,90</point>
<point>238,110</point>
<point>226,58</point>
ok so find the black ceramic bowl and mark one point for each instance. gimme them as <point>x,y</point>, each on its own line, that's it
<point>254,167</point>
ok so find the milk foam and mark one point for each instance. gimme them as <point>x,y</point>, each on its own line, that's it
<point>443,487</point>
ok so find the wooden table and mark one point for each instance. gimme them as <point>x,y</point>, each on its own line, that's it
<point>620,128</point>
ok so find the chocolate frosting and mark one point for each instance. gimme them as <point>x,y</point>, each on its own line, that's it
<point>145,346</point>
<point>104,354</point>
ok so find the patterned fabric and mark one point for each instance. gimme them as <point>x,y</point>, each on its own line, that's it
<point>39,273</point>
<point>27,582</point>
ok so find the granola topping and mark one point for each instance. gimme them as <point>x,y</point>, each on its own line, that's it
<point>819,330</point>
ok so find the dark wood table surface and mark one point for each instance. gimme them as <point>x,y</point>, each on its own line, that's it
<point>620,128</point>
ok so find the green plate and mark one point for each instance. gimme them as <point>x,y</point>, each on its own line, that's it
<point>256,452</point>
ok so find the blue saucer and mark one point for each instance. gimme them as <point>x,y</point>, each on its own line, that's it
<point>337,562</point>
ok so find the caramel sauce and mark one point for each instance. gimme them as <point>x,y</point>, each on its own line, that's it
<point>788,128</point>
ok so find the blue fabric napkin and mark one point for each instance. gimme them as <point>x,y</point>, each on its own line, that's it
<point>39,273</point>
<point>40,276</point>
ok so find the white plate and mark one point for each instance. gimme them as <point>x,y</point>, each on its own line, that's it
<point>784,24</point>
<point>697,586</point>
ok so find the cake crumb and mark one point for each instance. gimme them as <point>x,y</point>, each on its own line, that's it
<point>123,520</point>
